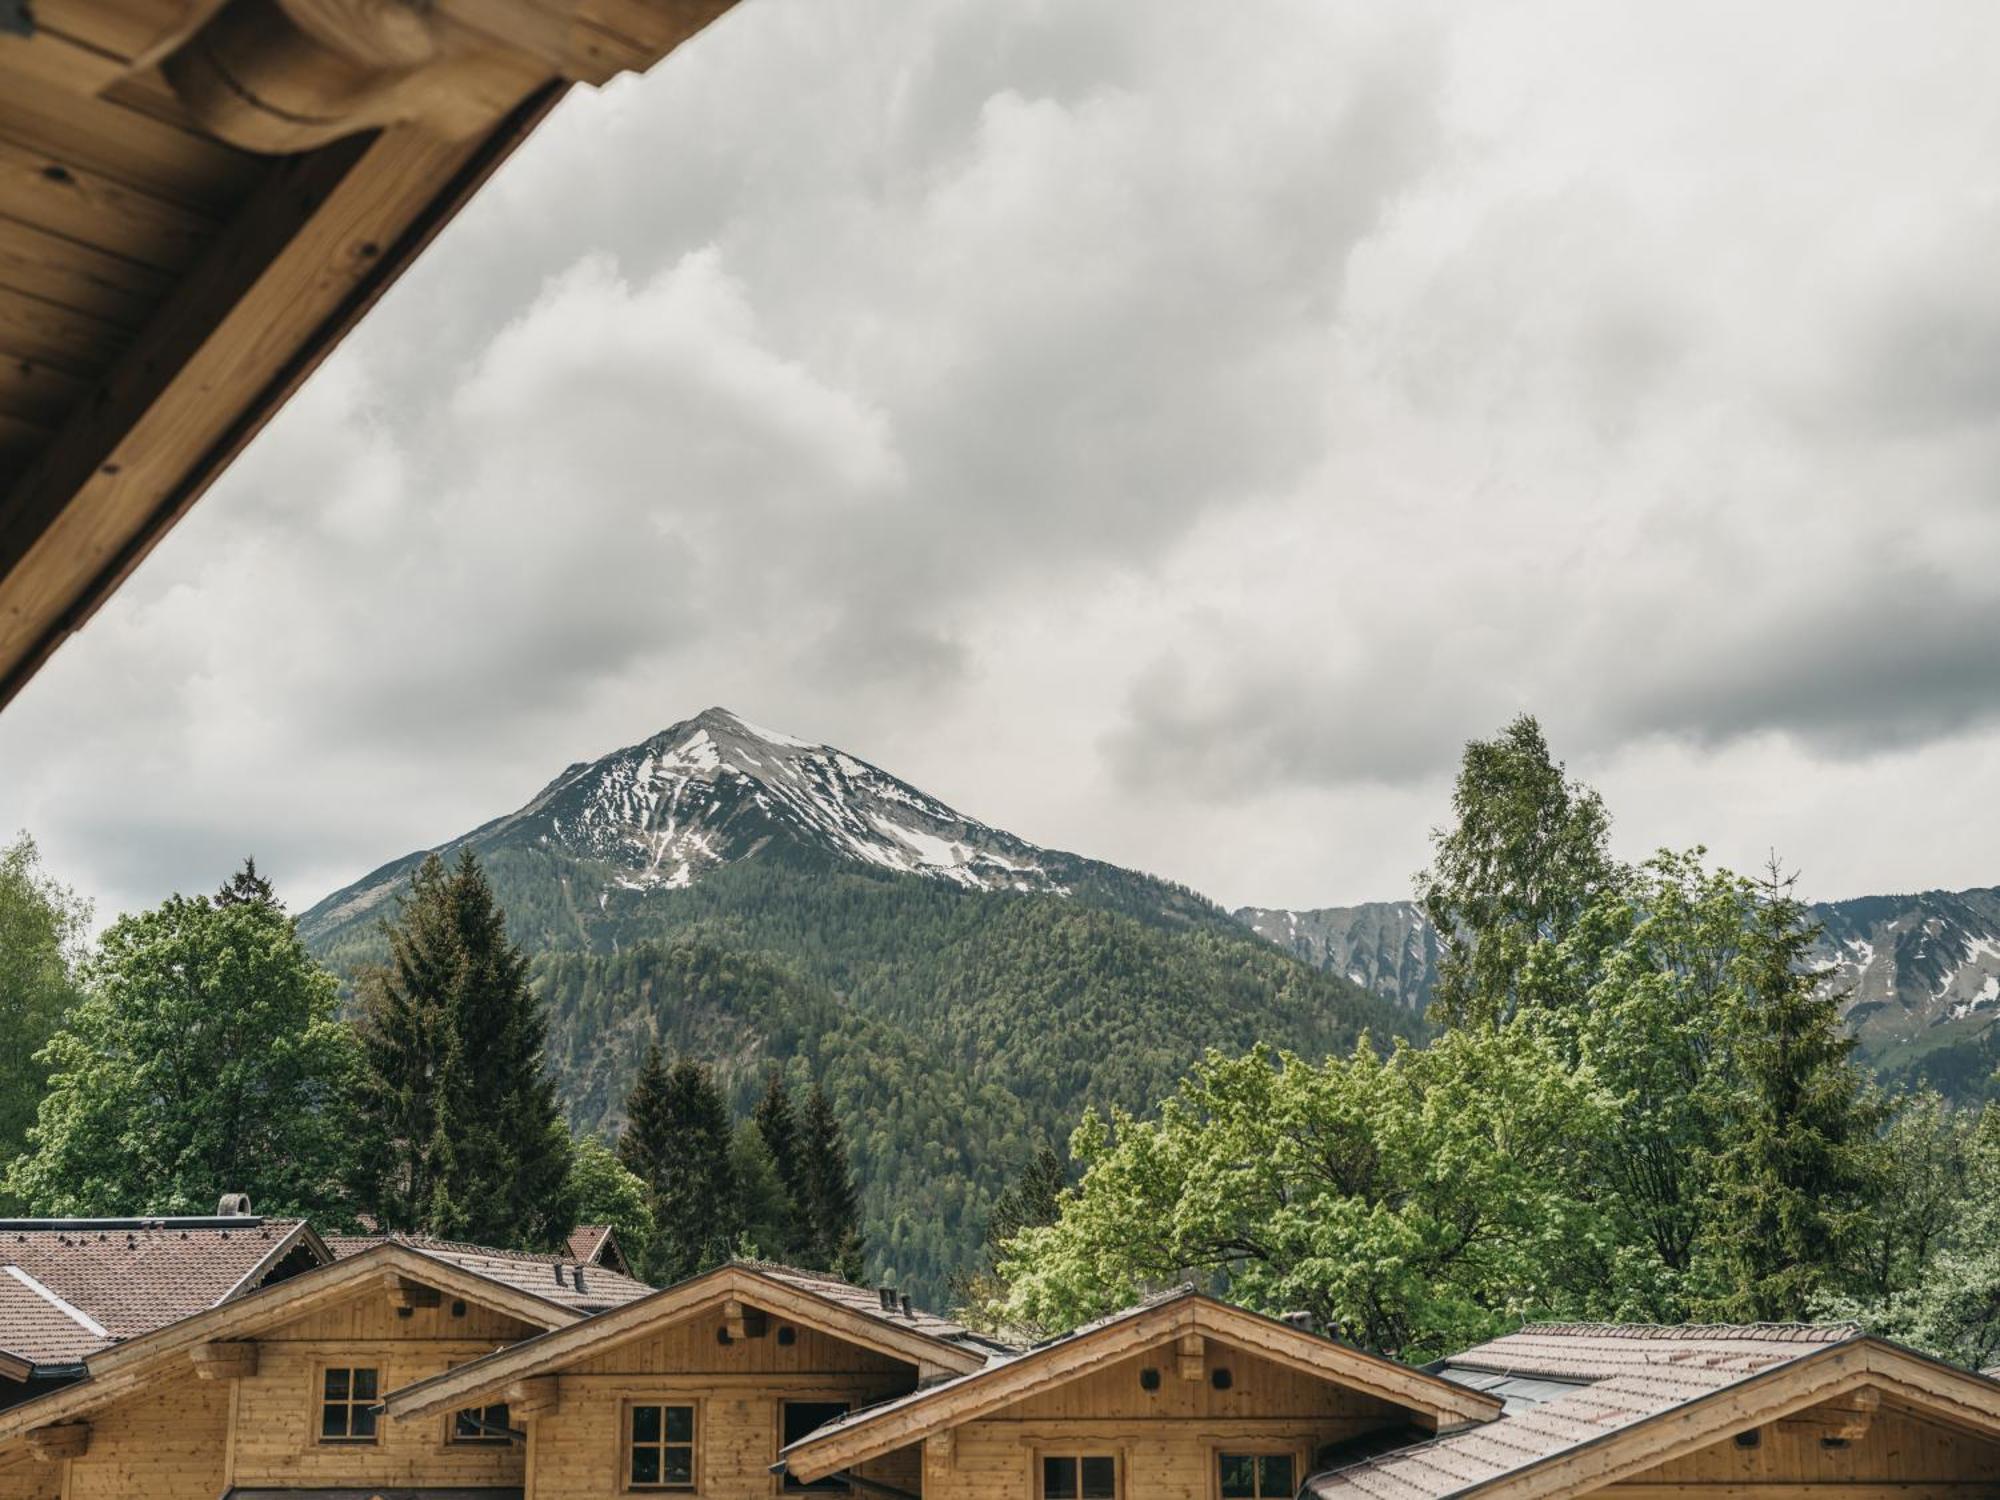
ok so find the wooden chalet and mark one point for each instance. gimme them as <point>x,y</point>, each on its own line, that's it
<point>198,199</point>
<point>257,1360</point>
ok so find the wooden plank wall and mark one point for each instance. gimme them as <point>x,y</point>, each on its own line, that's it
<point>1166,1439</point>
<point>169,1444</point>
<point>278,1407</point>
<point>1902,1454</point>
<point>23,1478</point>
<point>738,1388</point>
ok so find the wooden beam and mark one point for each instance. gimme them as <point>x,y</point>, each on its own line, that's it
<point>1193,1356</point>
<point>1847,1418</point>
<point>52,1444</point>
<point>536,1396</point>
<point>403,1292</point>
<point>324,238</point>
<point>940,1450</point>
<point>225,1359</point>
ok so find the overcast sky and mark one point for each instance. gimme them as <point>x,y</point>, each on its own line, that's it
<point>1165,430</point>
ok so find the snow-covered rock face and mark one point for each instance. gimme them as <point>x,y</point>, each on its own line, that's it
<point>716,789</point>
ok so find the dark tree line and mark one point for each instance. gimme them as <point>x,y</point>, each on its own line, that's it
<point>778,1185</point>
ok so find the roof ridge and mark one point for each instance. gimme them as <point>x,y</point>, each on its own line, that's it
<point>1781,1332</point>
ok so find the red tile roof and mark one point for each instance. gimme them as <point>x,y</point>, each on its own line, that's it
<point>134,1275</point>
<point>555,1277</point>
<point>41,1328</point>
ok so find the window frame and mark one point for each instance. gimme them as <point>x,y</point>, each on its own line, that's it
<point>1252,1449</point>
<point>320,1401</point>
<point>1077,1454</point>
<point>483,1439</point>
<point>627,1445</point>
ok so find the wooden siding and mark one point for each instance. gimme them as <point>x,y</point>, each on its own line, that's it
<point>1900,1450</point>
<point>1166,1440</point>
<point>737,1389</point>
<point>278,1407</point>
<point>23,1478</point>
<point>170,1443</point>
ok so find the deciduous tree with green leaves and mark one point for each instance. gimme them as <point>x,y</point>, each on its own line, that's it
<point>42,932</point>
<point>1413,1204</point>
<point>606,1192</point>
<point>205,1057</point>
<point>1528,853</point>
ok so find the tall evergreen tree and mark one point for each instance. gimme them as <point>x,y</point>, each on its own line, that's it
<point>246,885</point>
<point>468,1140</point>
<point>1803,1153</point>
<point>778,1126</point>
<point>677,1143</point>
<point>1527,855</point>
<point>832,1208</point>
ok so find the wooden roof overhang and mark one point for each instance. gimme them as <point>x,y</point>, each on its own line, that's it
<point>550,1352</point>
<point>895,1424</point>
<point>1930,1387</point>
<point>117,1372</point>
<point>198,199</point>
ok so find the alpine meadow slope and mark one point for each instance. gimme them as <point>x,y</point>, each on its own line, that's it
<point>756,900</point>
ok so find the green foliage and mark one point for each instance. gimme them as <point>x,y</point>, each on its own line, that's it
<point>1953,1308</point>
<point>1527,855</point>
<point>204,1058</point>
<point>777,1130</point>
<point>763,1206</point>
<point>828,1206</point>
<point>951,1029</point>
<point>1412,1204</point>
<point>465,1139</point>
<point>1799,1175</point>
<point>605,1192</point>
<point>42,926</point>
<point>677,1142</point>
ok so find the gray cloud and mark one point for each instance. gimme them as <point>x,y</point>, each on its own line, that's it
<point>1171,431</point>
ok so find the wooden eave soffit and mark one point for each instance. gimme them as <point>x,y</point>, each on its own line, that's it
<point>405,1293</point>
<point>51,1444</point>
<point>284,76</point>
<point>1845,1417</point>
<point>225,1359</point>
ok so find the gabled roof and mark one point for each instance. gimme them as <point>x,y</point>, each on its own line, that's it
<point>113,1372</point>
<point>586,1288</point>
<point>129,1276</point>
<point>39,1329</point>
<point>810,1297</point>
<point>879,1429</point>
<point>1591,1404</point>
<point>597,1245</point>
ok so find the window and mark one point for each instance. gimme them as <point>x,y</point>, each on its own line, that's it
<point>1081,1477</point>
<point>1256,1476</point>
<point>800,1419</point>
<point>481,1424</point>
<point>660,1448</point>
<point>347,1405</point>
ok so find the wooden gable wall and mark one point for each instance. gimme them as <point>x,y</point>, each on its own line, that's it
<point>738,1390</point>
<point>1901,1454</point>
<point>1166,1439</point>
<point>277,1409</point>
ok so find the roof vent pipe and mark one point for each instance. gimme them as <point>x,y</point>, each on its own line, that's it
<point>1303,1321</point>
<point>888,1295</point>
<point>906,1304</point>
<point>233,1206</point>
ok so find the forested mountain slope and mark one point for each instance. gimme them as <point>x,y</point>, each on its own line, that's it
<point>963,993</point>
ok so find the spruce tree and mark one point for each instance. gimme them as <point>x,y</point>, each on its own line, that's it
<point>778,1126</point>
<point>832,1209</point>
<point>677,1143</point>
<point>467,1140</point>
<point>247,885</point>
<point>1802,1153</point>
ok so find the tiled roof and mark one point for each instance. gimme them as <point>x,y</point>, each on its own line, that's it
<point>1591,1378</point>
<point>38,1326</point>
<point>133,1275</point>
<point>869,1303</point>
<point>587,1242</point>
<point>557,1278</point>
